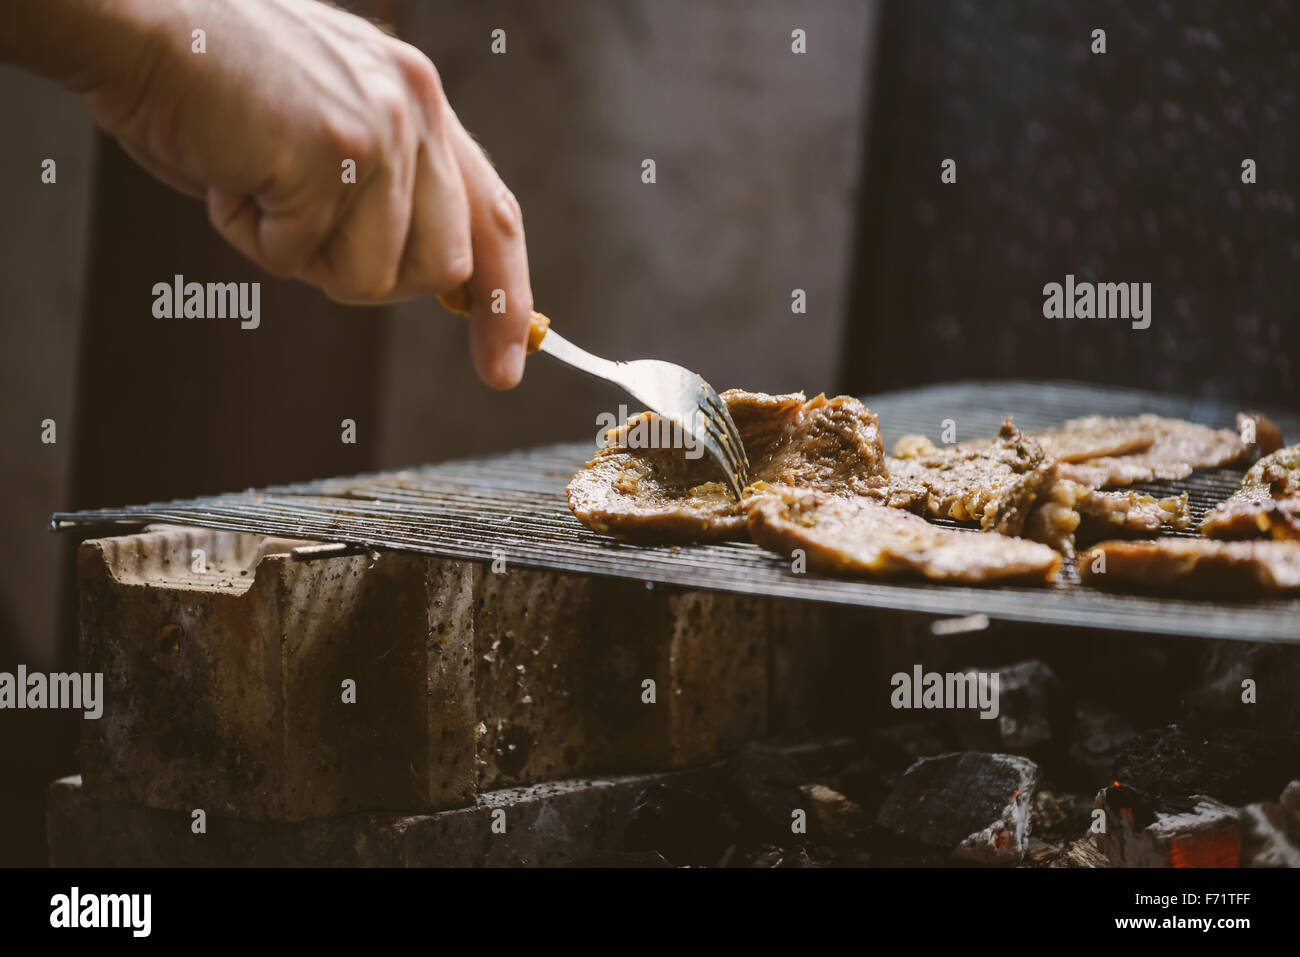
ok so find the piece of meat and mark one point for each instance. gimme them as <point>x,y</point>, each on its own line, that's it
<point>1254,513</point>
<point>1195,566</point>
<point>1266,505</point>
<point>1124,512</point>
<point>661,495</point>
<point>1097,451</point>
<point>1174,450</point>
<point>1055,522</point>
<point>1094,436</point>
<point>992,482</point>
<point>1089,437</point>
<point>859,535</point>
<point>1267,437</point>
<point>1073,513</point>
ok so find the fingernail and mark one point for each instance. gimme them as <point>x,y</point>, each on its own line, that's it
<point>510,366</point>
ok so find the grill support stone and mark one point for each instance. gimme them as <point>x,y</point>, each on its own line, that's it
<point>227,689</point>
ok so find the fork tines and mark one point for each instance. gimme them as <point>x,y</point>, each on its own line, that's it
<point>719,427</point>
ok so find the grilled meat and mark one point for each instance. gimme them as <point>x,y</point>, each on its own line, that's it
<point>1072,512</point>
<point>1195,566</point>
<point>1173,449</point>
<point>1126,512</point>
<point>1256,426</point>
<point>1267,505</point>
<point>822,483</point>
<point>1055,522</point>
<point>1098,451</point>
<point>859,535</point>
<point>1094,436</point>
<point>992,482</point>
<point>661,495</point>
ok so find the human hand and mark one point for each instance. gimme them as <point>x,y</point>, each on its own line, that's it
<point>261,126</point>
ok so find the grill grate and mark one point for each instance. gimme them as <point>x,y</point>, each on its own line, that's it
<point>514,504</point>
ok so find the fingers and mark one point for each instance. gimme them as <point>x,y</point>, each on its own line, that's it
<point>439,252</point>
<point>361,261</point>
<point>282,239</point>
<point>501,295</point>
<point>439,255</point>
<point>423,213</point>
<point>399,228</point>
<point>397,235</point>
<point>172,175</point>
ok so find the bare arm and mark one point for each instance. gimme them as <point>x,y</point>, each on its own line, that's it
<point>262,126</point>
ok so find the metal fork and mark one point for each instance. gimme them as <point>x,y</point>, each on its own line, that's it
<point>673,393</point>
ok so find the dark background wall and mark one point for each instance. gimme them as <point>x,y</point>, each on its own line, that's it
<point>1120,167</point>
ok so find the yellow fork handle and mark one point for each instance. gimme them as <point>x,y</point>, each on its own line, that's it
<point>457,301</point>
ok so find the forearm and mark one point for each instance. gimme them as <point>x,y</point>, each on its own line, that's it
<point>324,148</point>
<point>75,42</point>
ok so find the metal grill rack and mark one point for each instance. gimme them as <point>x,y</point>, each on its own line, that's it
<point>514,504</point>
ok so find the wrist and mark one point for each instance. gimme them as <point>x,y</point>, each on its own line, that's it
<point>86,45</point>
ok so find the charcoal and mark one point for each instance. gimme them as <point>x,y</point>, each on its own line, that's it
<point>974,804</point>
<point>1058,817</point>
<point>770,856</point>
<point>832,816</point>
<point>763,788</point>
<point>1215,699</point>
<point>1047,812</point>
<point>1197,831</point>
<point>1167,767</point>
<point>898,746</point>
<point>1038,853</point>
<point>687,824</point>
<point>1099,734</point>
<point>862,782</point>
<point>547,825</point>
<point>1033,713</point>
<point>1269,837</point>
<point>1080,853</point>
<point>625,859</point>
<point>1290,802</point>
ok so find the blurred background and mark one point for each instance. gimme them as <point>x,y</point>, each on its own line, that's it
<point>776,171</point>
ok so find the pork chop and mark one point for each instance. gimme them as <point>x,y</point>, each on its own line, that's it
<point>1173,449</point>
<point>662,495</point>
<point>1094,436</point>
<point>1073,513</point>
<point>1195,566</point>
<point>1097,451</point>
<point>859,535</point>
<point>993,482</point>
<point>1267,504</point>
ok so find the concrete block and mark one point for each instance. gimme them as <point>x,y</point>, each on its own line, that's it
<point>224,687</point>
<point>544,825</point>
<point>560,666</point>
<point>813,651</point>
